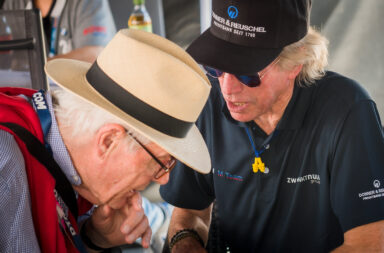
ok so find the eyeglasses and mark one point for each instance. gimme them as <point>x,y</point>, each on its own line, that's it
<point>248,80</point>
<point>164,168</point>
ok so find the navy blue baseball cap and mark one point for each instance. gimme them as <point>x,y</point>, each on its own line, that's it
<point>247,35</point>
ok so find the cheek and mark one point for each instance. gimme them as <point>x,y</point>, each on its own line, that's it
<point>120,183</point>
<point>127,171</point>
<point>137,171</point>
<point>267,92</point>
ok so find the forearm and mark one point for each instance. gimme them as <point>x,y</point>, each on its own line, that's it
<point>344,249</point>
<point>87,53</point>
<point>358,249</point>
<point>198,220</point>
<point>365,238</point>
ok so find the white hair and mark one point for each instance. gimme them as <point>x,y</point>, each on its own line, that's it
<point>83,118</point>
<point>311,52</point>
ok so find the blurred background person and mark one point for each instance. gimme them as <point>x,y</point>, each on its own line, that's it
<point>77,29</point>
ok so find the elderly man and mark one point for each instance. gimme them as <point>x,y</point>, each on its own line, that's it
<point>114,127</point>
<point>297,152</point>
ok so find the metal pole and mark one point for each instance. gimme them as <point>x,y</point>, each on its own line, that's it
<point>205,14</point>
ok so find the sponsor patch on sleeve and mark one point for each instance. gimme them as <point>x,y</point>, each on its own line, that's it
<point>95,30</point>
<point>375,192</point>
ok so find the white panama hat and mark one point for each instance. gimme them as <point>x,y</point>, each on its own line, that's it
<point>150,83</point>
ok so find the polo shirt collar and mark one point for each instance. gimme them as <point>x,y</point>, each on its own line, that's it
<point>59,150</point>
<point>297,108</point>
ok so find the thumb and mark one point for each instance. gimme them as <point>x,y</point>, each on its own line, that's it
<point>102,212</point>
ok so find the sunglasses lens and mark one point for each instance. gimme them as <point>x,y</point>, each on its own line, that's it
<point>250,81</point>
<point>213,72</point>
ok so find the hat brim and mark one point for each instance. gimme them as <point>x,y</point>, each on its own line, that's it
<point>190,150</point>
<point>229,57</point>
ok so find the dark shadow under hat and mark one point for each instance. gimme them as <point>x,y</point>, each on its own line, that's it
<point>246,35</point>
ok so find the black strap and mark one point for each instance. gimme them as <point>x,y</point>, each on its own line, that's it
<point>38,150</point>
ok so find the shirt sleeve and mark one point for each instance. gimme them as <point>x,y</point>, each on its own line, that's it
<point>187,188</point>
<point>17,233</point>
<point>357,172</point>
<point>93,23</point>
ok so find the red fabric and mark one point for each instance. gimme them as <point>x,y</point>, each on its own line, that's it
<point>41,183</point>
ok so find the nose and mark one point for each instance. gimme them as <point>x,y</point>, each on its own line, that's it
<point>163,179</point>
<point>229,84</point>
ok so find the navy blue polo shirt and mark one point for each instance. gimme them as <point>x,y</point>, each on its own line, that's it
<point>325,171</point>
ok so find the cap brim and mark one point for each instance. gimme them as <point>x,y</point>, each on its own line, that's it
<point>228,57</point>
<point>190,150</point>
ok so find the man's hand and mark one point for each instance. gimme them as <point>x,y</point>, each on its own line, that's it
<point>109,227</point>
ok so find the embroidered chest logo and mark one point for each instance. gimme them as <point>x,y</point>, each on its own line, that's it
<point>312,178</point>
<point>227,175</point>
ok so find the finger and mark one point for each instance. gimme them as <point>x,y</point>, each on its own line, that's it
<point>133,218</point>
<point>146,238</point>
<point>103,212</point>
<point>133,212</point>
<point>136,201</point>
<point>101,217</point>
<point>138,231</point>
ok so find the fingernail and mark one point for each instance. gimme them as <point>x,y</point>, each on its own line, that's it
<point>147,240</point>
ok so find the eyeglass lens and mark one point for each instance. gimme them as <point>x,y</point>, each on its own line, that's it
<point>163,168</point>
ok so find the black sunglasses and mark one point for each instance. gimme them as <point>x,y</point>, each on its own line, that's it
<point>163,168</point>
<point>248,80</point>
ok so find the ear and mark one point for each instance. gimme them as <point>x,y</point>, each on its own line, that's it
<point>295,71</point>
<point>107,137</point>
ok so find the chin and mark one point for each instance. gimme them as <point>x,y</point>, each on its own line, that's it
<point>241,117</point>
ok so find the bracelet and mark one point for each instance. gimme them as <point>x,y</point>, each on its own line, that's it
<point>184,233</point>
<point>87,241</point>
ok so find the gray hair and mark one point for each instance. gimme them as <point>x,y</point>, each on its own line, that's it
<point>84,118</point>
<point>312,52</point>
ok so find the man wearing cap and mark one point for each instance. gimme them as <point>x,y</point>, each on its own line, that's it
<point>98,140</point>
<point>297,151</point>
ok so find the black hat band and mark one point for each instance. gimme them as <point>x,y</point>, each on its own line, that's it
<point>135,107</point>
